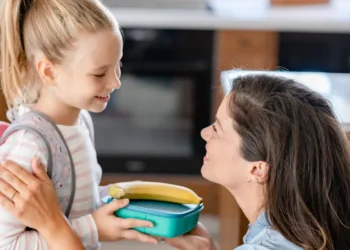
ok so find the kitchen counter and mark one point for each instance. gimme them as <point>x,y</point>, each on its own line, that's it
<point>334,18</point>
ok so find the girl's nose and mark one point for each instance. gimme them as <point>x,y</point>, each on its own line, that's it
<point>205,134</point>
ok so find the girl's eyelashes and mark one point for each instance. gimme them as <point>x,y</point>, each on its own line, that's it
<point>120,64</point>
<point>100,75</point>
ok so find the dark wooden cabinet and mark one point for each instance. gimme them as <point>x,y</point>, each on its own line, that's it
<point>314,52</point>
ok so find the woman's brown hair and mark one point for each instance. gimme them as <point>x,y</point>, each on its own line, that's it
<point>295,131</point>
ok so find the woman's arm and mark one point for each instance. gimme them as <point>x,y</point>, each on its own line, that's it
<point>59,235</point>
<point>48,220</point>
<point>21,147</point>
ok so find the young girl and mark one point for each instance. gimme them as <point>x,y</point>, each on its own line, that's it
<point>60,57</point>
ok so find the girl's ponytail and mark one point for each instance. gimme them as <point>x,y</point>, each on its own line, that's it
<point>13,61</point>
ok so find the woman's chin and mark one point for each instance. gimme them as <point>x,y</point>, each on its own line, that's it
<point>209,173</point>
<point>205,172</point>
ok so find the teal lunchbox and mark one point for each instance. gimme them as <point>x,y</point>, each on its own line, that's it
<point>170,219</point>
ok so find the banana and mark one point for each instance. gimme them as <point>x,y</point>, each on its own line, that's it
<point>143,190</point>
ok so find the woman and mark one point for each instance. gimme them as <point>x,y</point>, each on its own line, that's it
<point>278,148</point>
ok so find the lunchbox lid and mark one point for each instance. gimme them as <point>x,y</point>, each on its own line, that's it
<point>160,208</point>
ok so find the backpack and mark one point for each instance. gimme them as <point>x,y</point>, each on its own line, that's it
<point>60,166</point>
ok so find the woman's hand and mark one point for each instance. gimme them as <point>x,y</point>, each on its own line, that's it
<point>112,228</point>
<point>32,199</point>
<point>197,239</point>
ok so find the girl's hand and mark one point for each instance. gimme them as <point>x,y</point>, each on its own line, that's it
<point>197,239</point>
<point>112,228</point>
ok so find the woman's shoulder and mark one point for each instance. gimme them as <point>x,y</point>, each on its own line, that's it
<point>272,239</point>
<point>262,236</point>
<point>269,239</point>
<point>252,247</point>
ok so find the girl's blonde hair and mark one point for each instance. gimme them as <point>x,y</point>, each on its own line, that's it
<point>48,26</point>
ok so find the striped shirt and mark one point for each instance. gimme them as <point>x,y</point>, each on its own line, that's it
<point>21,147</point>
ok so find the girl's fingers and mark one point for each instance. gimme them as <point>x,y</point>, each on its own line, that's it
<point>115,205</point>
<point>132,223</point>
<point>135,235</point>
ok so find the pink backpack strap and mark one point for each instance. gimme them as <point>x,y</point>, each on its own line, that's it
<point>3,127</point>
<point>60,163</point>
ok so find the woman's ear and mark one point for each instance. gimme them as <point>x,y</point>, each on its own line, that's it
<point>260,172</point>
<point>46,71</point>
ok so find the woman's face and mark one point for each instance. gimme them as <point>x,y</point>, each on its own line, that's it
<point>223,163</point>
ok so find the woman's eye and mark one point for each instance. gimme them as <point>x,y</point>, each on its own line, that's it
<point>214,128</point>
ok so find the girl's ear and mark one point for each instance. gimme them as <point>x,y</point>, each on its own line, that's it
<point>46,71</point>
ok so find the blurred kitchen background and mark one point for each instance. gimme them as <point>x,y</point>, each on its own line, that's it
<point>174,53</point>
